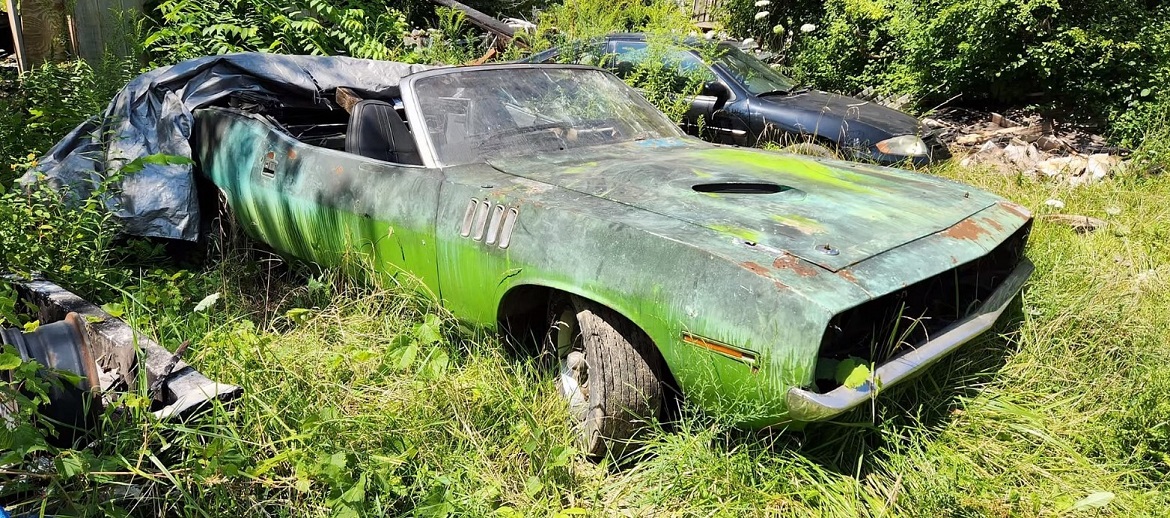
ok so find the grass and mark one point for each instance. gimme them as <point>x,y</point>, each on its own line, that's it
<point>369,400</point>
<point>1070,402</point>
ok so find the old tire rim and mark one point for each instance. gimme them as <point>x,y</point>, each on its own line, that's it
<point>573,378</point>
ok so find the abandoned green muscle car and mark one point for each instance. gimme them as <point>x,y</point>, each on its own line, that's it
<point>555,196</point>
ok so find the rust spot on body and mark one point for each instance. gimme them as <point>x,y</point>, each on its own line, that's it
<point>338,170</point>
<point>755,268</point>
<point>292,154</point>
<point>791,262</point>
<point>847,275</point>
<point>1016,209</point>
<point>967,229</point>
<point>991,222</point>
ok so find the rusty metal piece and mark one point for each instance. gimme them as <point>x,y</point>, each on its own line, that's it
<point>119,352</point>
<point>63,346</point>
<point>166,372</point>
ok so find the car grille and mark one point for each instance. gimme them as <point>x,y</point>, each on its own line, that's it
<point>889,325</point>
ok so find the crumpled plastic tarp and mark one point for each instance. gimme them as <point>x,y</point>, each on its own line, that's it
<point>152,115</point>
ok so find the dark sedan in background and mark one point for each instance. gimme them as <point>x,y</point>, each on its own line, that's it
<point>746,103</point>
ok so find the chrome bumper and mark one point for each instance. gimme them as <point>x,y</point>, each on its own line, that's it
<point>810,406</point>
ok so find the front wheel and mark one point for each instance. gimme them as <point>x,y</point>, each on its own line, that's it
<point>609,373</point>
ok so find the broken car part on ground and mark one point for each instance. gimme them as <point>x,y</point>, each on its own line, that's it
<point>108,357</point>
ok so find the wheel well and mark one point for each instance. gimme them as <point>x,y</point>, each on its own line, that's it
<point>521,319</point>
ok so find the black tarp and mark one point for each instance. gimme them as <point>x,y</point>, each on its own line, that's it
<point>152,115</point>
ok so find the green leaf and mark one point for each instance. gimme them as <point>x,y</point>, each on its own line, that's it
<point>408,354</point>
<point>69,466</point>
<point>9,361</point>
<point>533,486</point>
<point>852,372</point>
<point>114,309</point>
<point>298,315</point>
<point>1096,500</point>
<point>428,332</point>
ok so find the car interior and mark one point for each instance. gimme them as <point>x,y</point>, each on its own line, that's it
<point>369,126</point>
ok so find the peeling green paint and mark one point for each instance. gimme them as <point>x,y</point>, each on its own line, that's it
<point>624,227</point>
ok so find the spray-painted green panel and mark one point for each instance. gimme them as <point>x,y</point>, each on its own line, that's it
<point>632,227</point>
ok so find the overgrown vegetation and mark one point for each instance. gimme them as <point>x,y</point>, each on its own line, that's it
<point>1080,60</point>
<point>367,399</point>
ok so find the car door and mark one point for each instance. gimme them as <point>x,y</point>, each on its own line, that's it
<point>346,210</point>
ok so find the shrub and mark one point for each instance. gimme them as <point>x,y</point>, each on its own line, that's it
<point>1088,60</point>
<point>185,29</point>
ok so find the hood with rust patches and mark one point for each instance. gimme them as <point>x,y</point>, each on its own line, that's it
<point>830,213</point>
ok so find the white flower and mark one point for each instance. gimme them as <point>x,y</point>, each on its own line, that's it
<point>1057,204</point>
<point>763,3</point>
<point>762,14</point>
<point>709,35</point>
<point>808,27</point>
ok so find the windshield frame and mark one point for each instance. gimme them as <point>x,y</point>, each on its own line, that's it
<point>421,132</point>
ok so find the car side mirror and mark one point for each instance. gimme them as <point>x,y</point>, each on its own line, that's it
<point>717,90</point>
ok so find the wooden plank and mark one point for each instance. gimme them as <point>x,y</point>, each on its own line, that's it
<point>17,35</point>
<point>43,23</point>
<point>103,25</point>
<point>483,21</point>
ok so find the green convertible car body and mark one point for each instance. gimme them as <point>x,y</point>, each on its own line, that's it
<point>556,196</point>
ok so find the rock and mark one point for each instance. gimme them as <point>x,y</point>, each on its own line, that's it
<point>933,123</point>
<point>1023,155</point>
<point>988,152</point>
<point>1051,143</point>
<point>1062,167</point>
<point>1056,204</point>
<point>967,140</point>
<point>1003,122</point>
<point>1100,166</point>
<point>1082,224</point>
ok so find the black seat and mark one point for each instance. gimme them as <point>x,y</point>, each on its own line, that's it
<point>376,131</point>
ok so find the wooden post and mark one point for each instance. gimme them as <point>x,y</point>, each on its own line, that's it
<point>43,27</point>
<point>483,21</point>
<point>17,36</point>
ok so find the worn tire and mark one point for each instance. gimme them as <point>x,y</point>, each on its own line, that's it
<point>619,390</point>
<point>809,149</point>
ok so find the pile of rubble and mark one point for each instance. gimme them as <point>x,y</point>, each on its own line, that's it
<point>1028,144</point>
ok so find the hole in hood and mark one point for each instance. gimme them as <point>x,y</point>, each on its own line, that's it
<point>741,187</point>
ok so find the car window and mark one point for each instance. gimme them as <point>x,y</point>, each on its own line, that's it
<point>754,75</point>
<point>473,115</point>
<point>682,64</point>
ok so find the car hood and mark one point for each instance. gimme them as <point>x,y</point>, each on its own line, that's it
<point>823,107</point>
<point>829,213</point>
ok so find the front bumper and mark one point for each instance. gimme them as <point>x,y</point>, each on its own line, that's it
<point>810,406</point>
